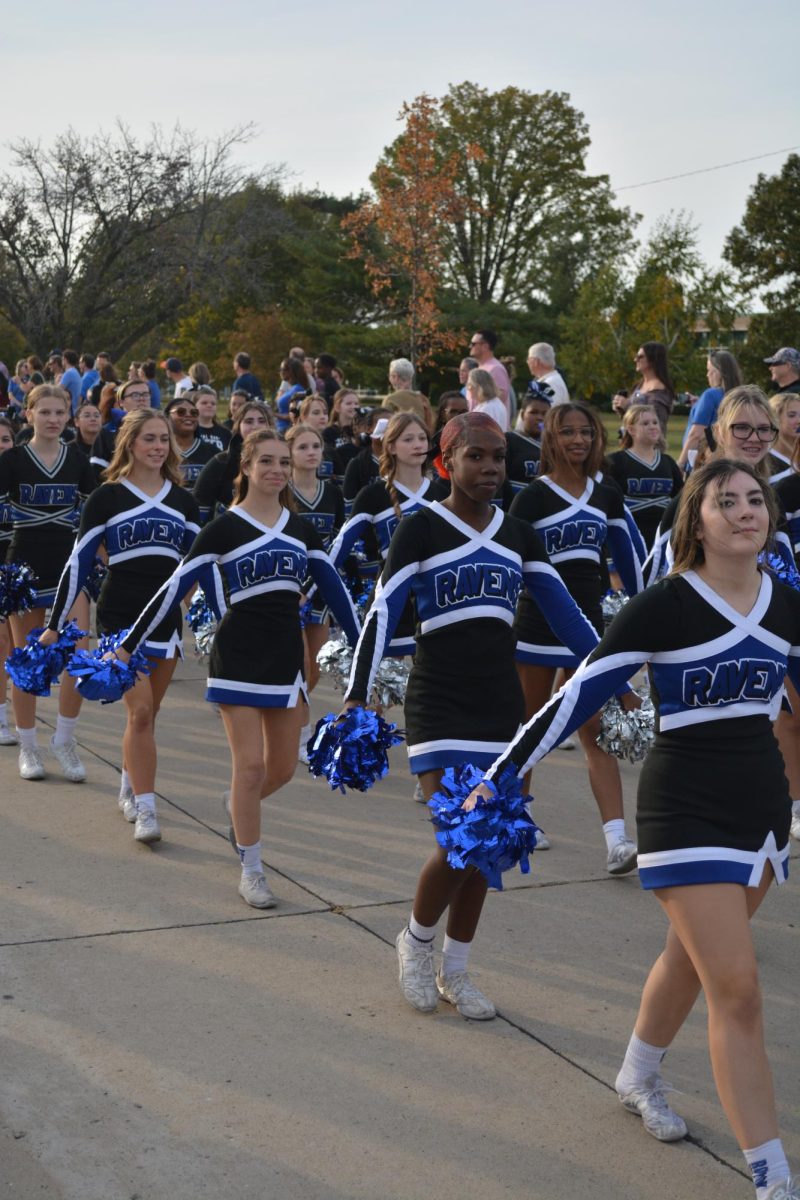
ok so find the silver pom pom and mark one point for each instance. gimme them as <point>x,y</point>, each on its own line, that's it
<point>611,604</point>
<point>335,659</point>
<point>391,680</point>
<point>627,735</point>
<point>203,637</point>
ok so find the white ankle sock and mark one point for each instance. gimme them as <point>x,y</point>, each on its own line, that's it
<point>419,935</point>
<point>614,830</point>
<point>455,955</point>
<point>251,858</point>
<point>767,1165</point>
<point>124,783</point>
<point>65,730</point>
<point>641,1062</point>
<point>27,737</point>
<point>146,800</point>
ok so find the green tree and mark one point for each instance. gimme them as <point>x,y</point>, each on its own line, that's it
<point>533,224</point>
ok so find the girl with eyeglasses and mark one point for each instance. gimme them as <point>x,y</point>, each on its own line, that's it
<point>575,516</point>
<point>718,636</point>
<point>147,521</point>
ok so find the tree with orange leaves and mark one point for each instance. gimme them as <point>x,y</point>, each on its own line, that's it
<point>399,234</point>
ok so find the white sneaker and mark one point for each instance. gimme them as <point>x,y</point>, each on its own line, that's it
<point>7,738</point>
<point>417,976</point>
<point>30,763</point>
<point>794,829</point>
<point>567,744</point>
<point>254,890</point>
<point>542,840</point>
<point>621,857</point>
<point>146,828</point>
<point>419,795</point>
<point>649,1101</point>
<point>71,766</point>
<point>127,805</point>
<point>459,989</point>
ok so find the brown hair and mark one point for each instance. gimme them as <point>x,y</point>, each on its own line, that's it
<point>631,417</point>
<point>688,551</point>
<point>108,394</point>
<point>301,427</point>
<point>305,407</point>
<point>253,406</point>
<point>337,404</point>
<point>47,391</point>
<point>551,453</point>
<point>122,462</point>
<point>398,424</point>
<point>250,447</point>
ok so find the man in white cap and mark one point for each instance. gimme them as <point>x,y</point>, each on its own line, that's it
<point>784,368</point>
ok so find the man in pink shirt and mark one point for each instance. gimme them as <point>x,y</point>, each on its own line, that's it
<point>481,347</point>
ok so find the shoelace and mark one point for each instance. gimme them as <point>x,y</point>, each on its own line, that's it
<point>656,1090</point>
<point>790,1192</point>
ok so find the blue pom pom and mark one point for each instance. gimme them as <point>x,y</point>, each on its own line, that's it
<point>35,668</point>
<point>784,571</point>
<point>496,835</point>
<point>305,613</point>
<point>95,579</point>
<point>17,588</point>
<point>107,680</point>
<point>351,753</point>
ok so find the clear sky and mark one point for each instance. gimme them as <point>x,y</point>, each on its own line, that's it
<point>665,87</point>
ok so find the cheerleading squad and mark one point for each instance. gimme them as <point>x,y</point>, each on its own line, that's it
<point>493,593</point>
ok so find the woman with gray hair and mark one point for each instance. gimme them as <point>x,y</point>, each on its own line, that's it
<point>482,397</point>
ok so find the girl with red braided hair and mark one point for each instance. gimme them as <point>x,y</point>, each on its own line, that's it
<point>464,562</point>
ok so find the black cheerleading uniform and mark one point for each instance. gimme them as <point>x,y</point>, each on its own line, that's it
<point>253,575</point>
<point>216,435</point>
<point>779,466</point>
<point>145,537</point>
<point>45,510</point>
<point>213,488</point>
<point>787,489</point>
<point>713,802</point>
<point>194,458</point>
<point>463,696</point>
<point>326,513</point>
<point>574,531</point>
<point>523,455</point>
<point>373,513</point>
<point>361,471</point>
<point>647,488</point>
<point>338,441</point>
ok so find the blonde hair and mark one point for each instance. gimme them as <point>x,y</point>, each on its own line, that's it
<point>631,417</point>
<point>296,430</point>
<point>249,451</point>
<point>305,407</point>
<point>46,391</point>
<point>122,461</point>
<point>782,401</point>
<point>398,424</point>
<point>746,396</point>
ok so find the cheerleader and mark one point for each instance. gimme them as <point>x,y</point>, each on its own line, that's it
<point>264,552</point>
<point>130,397</point>
<point>339,434</point>
<point>213,488</point>
<point>45,483</point>
<point>193,452</point>
<point>7,738</point>
<point>320,504</point>
<point>378,508</point>
<point>575,516</point>
<point>525,443</point>
<point>464,561</point>
<point>146,521</point>
<point>719,636</point>
<point>314,411</point>
<point>647,477</point>
<point>786,414</point>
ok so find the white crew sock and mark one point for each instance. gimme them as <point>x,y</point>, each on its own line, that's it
<point>767,1165</point>
<point>419,935</point>
<point>125,783</point>
<point>614,831</point>
<point>65,730</point>
<point>251,858</point>
<point>146,800</point>
<point>455,955</point>
<point>27,737</point>
<point>641,1062</point>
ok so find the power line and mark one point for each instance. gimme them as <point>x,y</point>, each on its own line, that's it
<point>704,170</point>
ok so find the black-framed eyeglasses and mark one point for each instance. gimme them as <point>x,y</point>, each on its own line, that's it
<point>765,433</point>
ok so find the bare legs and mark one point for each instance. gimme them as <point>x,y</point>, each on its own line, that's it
<point>264,744</point>
<point>69,698</point>
<point>142,702</point>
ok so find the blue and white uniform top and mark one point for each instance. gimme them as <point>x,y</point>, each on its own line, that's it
<point>373,509</point>
<point>465,585</point>
<point>145,537</point>
<point>253,576</point>
<point>717,677</point>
